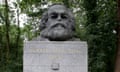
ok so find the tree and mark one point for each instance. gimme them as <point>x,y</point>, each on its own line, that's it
<point>95,22</point>
<point>101,23</point>
<point>117,61</point>
<point>10,45</point>
<point>7,23</point>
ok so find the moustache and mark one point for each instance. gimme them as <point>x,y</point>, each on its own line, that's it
<point>58,24</point>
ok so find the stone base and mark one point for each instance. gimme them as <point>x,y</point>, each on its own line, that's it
<point>43,56</point>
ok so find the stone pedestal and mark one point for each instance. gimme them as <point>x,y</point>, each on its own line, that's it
<point>43,56</point>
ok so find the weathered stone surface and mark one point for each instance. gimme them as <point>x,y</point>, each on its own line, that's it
<point>62,56</point>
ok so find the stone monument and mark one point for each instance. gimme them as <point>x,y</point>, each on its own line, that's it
<point>57,24</point>
<point>56,49</point>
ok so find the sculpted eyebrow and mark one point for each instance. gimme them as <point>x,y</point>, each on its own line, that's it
<point>53,13</point>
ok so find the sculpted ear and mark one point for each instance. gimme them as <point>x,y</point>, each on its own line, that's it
<point>44,20</point>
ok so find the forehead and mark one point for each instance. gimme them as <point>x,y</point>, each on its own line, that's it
<point>57,9</point>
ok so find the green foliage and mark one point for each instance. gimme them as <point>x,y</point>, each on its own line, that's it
<point>95,22</point>
<point>101,23</point>
<point>10,54</point>
<point>14,63</point>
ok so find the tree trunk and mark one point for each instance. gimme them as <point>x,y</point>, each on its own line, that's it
<point>7,24</point>
<point>117,63</point>
<point>18,32</point>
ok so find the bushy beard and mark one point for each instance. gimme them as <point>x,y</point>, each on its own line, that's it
<point>57,32</point>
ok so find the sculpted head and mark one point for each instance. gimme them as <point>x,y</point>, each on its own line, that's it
<point>57,23</point>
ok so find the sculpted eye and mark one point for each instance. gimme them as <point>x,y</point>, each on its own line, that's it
<point>64,16</point>
<point>54,16</point>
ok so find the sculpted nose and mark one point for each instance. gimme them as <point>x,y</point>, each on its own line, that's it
<point>59,18</point>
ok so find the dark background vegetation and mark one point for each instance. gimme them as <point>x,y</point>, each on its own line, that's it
<point>96,23</point>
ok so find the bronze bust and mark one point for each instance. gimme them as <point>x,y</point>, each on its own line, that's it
<point>57,24</point>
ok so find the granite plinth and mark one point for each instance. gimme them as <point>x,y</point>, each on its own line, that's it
<point>51,56</point>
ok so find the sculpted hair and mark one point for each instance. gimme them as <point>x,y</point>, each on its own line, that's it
<point>44,18</point>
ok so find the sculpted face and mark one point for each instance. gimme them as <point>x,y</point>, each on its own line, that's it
<point>58,25</point>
